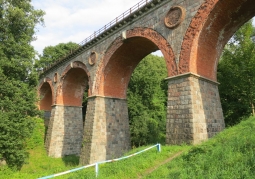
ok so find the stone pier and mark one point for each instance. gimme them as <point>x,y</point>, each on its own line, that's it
<point>46,118</point>
<point>64,135</point>
<point>194,111</point>
<point>106,130</point>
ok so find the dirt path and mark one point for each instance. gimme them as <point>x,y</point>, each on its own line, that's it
<point>150,170</point>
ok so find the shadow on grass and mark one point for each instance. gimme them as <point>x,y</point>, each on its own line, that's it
<point>71,160</point>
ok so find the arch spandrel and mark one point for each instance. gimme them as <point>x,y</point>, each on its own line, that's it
<point>73,82</point>
<point>210,29</point>
<point>114,64</point>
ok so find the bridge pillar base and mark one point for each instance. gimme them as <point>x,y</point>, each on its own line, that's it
<point>106,130</point>
<point>46,118</point>
<point>194,111</point>
<point>64,134</point>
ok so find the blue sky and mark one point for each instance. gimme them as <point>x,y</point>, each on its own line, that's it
<point>75,20</point>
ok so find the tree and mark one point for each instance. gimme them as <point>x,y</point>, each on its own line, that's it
<point>236,74</point>
<point>53,53</point>
<point>147,98</point>
<point>18,79</point>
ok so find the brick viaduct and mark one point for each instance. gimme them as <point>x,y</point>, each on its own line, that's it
<point>191,35</point>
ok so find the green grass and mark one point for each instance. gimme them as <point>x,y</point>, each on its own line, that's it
<point>230,154</point>
<point>133,167</point>
<point>39,164</point>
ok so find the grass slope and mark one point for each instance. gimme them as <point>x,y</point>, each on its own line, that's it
<point>39,164</point>
<point>230,154</point>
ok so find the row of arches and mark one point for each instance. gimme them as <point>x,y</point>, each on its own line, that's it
<point>208,32</point>
<point>210,29</point>
<point>114,71</point>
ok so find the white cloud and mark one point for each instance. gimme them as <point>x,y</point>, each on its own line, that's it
<point>68,20</point>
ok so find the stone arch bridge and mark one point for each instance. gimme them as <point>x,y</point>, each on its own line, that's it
<point>191,35</point>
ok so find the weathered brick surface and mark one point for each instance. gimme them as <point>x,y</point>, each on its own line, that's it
<point>194,110</point>
<point>106,130</point>
<point>211,27</point>
<point>64,135</point>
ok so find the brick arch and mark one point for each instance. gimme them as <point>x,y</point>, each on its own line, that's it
<point>46,95</point>
<point>74,80</point>
<point>122,57</point>
<point>210,29</point>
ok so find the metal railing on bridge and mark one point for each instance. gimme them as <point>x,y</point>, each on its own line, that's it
<point>105,28</point>
<point>121,17</point>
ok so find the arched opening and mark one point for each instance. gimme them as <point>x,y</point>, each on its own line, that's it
<point>46,100</point>
<point>119,63</point>
<point>74,85</point>
<point>223,21</point>
<point>214,28</point>
<point>74,89</point>
<point>235,73</point>
<point>124,54</point>
<point>122,64</point>
<point>68,121</point>
<point>147,101</point>
<point>209,31</point>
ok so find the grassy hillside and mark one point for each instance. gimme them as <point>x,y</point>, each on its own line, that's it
<point>231,154</point>
<point>39,164</point>
<point>228,155</point>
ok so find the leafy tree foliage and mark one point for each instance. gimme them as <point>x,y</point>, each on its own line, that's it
<point>147,98</point>
<point>53,53</point>
<point>18,79</point>
<point>236,73</point>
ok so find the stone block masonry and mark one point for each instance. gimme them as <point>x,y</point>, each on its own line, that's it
<point>64,135</point>
<point>194,111</point>
<point>46,118</point>
<point>106,130</point>
<point>191,35</point>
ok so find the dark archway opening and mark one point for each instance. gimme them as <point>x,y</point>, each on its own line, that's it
<point>74,85</point>
<point>84,104</point>
<point>75,82</point>
<point>75,89</point>
<point>45,102</point>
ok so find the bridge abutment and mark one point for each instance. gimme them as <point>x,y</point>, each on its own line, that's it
<point>64,134</point>
<point>106,129</point>
<point>194,111</point>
